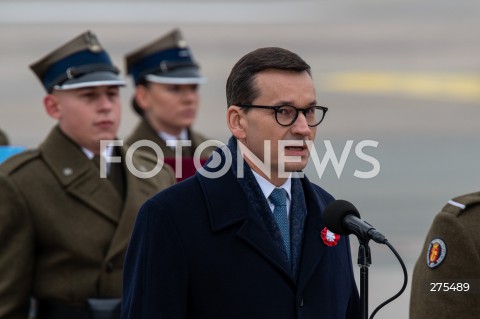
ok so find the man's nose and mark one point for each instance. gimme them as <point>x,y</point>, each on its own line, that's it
<point>300,126</point>
<point>105,103</point>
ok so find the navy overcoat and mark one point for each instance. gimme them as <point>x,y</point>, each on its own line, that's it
<point>199,251</point>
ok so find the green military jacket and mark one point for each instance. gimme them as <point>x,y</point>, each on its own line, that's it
<point>446,277</point>
<point>64,230</point>
<point>144,131</point>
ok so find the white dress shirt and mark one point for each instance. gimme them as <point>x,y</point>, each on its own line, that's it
<point>267,189</point>
<point>169,137</point>
<point>106,153</point>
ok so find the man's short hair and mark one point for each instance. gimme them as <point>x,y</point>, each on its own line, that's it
<point>240,84</point>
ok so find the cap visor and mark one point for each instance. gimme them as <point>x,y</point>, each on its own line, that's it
<point>92,79</point>
<point>178,76</point>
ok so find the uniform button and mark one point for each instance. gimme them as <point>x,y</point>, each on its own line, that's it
<point>67,171</point>
<point>109,267</point>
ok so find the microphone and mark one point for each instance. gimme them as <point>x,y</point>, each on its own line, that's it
<point>342,218</point>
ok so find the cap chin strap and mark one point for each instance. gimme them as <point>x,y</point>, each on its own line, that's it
<point>77,71</point>
<point>165,67</point>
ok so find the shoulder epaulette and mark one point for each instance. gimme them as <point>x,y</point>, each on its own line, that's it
<point>17,161</point>
<point>459,204</point>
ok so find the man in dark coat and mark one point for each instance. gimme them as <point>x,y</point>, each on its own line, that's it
<point>64,229</point>
<point>245,238</point>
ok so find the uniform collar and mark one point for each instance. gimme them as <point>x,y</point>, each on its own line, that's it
<point>182,136</point>
<point>106,152</point>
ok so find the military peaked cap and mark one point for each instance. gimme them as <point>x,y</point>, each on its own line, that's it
<point>166,60</point>
<point>81,62</point>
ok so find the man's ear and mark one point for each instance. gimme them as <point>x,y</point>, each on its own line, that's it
<point>236,121</point>
<point>52,106</point>
<point>142,96</point>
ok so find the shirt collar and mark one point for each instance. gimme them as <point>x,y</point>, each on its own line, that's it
<point>182,136</point>
<point>267,187</point>
<point>107,152</point>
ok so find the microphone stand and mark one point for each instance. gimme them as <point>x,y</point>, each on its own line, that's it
<point>364,261</point>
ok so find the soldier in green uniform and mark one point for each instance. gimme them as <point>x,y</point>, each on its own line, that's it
<point>166,97</point>
<point>3,138</point>
<point>64,229</point>
<point>446,277</point>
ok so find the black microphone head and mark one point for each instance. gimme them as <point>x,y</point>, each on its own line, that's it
<point>334,214</point>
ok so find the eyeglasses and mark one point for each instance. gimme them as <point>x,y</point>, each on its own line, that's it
<point>286,115</point>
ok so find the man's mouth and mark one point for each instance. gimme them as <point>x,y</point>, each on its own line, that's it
<point>295,148</point>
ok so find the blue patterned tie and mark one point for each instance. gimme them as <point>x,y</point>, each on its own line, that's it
<point>279,199</point>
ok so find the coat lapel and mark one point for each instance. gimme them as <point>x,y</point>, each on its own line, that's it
<point>237,208</point>
<point>79,175</point>
<point>137,192</point>
<point>256,235</point>
<point>313,246</point>
<point>298,214</point>
<point>128,215</point>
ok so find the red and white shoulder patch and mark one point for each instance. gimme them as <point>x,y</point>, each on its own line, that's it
<point>437,250</point>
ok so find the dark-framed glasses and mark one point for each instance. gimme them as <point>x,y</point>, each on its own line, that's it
<point>286,115</point>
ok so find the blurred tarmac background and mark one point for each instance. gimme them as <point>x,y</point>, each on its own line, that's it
<point>402,73</point>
